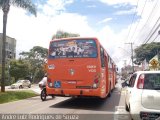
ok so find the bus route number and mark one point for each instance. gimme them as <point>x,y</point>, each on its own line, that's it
<point>91,68</point>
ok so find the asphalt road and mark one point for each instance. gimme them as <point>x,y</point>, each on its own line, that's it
<point>72,108</point>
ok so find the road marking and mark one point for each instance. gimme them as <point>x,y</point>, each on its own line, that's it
<point>121,113</point>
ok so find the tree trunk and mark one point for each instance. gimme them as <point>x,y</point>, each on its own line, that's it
<point>5,9</point>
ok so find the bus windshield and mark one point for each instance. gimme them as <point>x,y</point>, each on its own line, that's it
<point>73,49</point>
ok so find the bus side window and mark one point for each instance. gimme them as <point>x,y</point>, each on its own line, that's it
<point>105,60</point>
<point>102,57</point>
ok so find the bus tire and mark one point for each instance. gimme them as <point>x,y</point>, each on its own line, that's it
<point>109,94</point>
<point>52,96</point>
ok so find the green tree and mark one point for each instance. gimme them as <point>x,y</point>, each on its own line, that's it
<point>5,6</point>
<point>0,73</point>
<point>37,57</point>
<point>63,34</point>
<point>6,74</point>
<point>146,51</point>
<point>19,69</point>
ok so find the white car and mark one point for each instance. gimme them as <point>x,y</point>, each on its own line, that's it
<point>21,84</point>
<point>142,98</point>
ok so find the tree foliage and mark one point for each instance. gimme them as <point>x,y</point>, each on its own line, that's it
<point>19,69</point>
<point>25,4</point>
<point>146,51</point>
<point>63,34</point>
<point>36,57</point>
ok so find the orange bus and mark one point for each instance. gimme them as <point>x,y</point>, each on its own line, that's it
<point>79,67</point>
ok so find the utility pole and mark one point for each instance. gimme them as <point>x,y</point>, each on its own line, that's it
<point>131,55</point>
<point>124,63</point>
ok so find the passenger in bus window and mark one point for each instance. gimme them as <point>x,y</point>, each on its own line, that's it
<point>57,51</point>
<point>73,51</point>
<point>53,53</point>
<point>64,51</point>
<point>60,51</point>
<point>68,52</point>
<point>78,52</point>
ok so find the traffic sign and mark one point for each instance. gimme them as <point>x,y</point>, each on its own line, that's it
<point>154,62</point>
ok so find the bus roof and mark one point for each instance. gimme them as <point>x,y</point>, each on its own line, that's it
<point>73,38</point>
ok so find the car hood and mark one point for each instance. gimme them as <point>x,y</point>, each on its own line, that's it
<point>16,84</point>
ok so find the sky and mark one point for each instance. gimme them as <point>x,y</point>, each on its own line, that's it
<point>113,22</point>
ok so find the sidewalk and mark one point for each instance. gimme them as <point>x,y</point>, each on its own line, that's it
<point>34,87</point>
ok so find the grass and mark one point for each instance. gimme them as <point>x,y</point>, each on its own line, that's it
<point>10,96</point>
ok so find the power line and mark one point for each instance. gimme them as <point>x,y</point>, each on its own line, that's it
<point>125,51</point>
<point>138,21</point>
<point>132,20</point>
<point>156,36</point>
<point>150,15</point>
<point>153,31</point>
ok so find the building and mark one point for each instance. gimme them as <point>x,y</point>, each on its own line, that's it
<point>10,47</point>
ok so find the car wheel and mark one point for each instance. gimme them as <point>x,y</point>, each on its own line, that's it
<point>43,95</point>
<point>20,87</point>
<point>29,86</point>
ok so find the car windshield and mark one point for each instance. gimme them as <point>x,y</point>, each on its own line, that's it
<point>73,49</point>
<point>152,81</point>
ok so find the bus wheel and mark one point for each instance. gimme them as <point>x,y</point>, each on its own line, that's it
<point>53,96</point>
<point>43,95</point>
<point>109,94</point>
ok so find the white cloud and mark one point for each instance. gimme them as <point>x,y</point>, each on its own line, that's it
<point>53,7</point>
<point>105,20</point>
<point>28,30</point>
<point>114,44</point>
<point>72,23</point>
<point>91,6</point>
<point>114,2</point>
<point>125,12</point>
